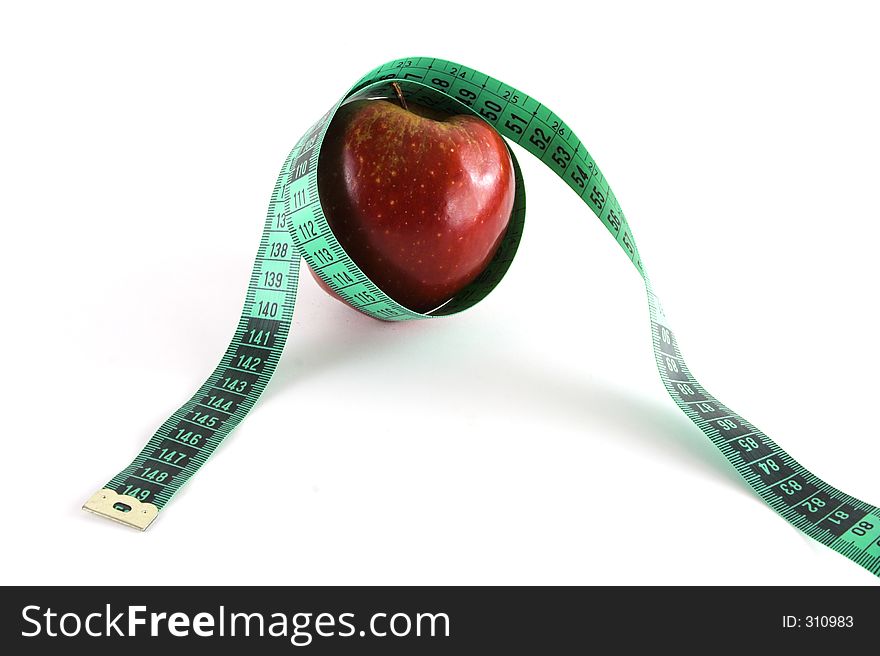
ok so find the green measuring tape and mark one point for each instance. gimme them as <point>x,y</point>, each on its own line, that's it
<point>296,228</point>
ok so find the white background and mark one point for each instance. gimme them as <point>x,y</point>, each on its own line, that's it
<point>138,149</point>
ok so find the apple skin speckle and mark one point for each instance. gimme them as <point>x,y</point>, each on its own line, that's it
<point>424,236</point>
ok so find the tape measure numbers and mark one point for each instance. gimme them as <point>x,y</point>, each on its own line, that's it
<point>296,228</point>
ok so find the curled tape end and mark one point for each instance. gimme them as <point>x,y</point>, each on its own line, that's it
<point>121,508</point>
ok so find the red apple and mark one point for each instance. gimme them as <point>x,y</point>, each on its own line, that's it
<point>420,200</point>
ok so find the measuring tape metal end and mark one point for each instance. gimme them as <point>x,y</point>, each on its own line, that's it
<point>122,508</point>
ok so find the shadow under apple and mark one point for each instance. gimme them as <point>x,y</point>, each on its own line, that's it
<point>504,380</point>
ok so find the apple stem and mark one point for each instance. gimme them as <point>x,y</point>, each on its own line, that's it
<point>399,92</point>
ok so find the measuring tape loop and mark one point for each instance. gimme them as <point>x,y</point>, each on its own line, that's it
<point>296,228</point>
